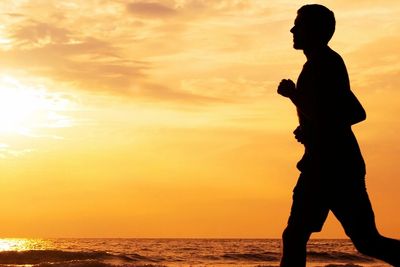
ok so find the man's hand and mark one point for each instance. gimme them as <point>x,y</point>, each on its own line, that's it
<point>286,88</point>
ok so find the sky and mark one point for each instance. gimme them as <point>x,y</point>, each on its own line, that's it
<point>161,119</point>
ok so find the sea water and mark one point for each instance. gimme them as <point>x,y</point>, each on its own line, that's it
<point>102,252</point>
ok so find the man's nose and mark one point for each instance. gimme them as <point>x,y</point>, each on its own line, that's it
<point>292,29</point>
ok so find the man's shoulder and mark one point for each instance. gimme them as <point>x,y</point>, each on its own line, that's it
<point>329,59</point>
<point>334,56</point>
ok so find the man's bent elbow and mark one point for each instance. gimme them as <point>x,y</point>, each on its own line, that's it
<point>357,118</point>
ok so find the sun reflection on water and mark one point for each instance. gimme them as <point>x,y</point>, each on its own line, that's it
<point>23,244</point>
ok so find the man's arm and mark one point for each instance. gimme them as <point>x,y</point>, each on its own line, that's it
<point>328,101</point>
<point>287,88</point>
<point>335,104</point>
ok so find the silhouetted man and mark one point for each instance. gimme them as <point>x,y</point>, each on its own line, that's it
<point>332,168</point>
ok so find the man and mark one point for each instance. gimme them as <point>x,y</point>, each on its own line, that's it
<point>332,168</point>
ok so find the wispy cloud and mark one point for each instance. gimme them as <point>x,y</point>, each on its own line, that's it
<point>119,51</point>
<point>172,50</point>
<point>150,9</point>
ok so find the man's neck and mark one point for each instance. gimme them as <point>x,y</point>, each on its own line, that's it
<point>314,51</point>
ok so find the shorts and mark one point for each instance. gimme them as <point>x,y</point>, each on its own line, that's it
<point>347,199</point>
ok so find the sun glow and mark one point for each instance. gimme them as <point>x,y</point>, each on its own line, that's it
<point>21,244</point>
<point>25,108</point>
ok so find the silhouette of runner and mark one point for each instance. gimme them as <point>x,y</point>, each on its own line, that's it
<point>332,169</point>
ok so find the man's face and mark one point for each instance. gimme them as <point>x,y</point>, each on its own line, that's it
<point>300,36</point>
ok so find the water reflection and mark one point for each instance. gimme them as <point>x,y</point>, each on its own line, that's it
<point>23,244</point>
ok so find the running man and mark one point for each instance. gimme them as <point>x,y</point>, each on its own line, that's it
<point>332,169</point>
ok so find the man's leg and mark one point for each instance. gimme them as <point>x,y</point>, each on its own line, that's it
<point>294,243</point>
<point>307,215</point>
<point>379,247</point>
<point>354,211</point>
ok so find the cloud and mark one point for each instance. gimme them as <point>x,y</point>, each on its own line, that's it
<point>240,89</point>
<point>379,52</point>
<point>189,10</point>
<point>117,56</point>
<point>364,3</point>
<point>150,9</point>
<point>153,91</point>
<point>16,15</point>
<point>38,32</point>
<point>60,53</point>
<point>188,50</point>
<point>376,63</point>
<point>88,63</point>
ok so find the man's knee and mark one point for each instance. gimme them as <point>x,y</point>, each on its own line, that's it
<point>295,234</point>
<point>367,245</point>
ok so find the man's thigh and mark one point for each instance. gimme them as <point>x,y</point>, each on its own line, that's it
<point>352,207</point>
<point>309,208</point>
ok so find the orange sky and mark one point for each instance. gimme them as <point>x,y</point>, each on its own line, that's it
<point>161,118</point>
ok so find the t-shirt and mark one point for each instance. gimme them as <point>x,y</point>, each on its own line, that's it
<point>326,114</point>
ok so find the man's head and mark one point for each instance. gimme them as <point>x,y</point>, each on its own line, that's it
<point>314,26</point>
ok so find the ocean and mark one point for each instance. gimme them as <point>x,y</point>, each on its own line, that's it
<point>102,252</point>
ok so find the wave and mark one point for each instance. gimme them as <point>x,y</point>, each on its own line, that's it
<point>332,256</point>
<point>337,256</point>
<point>329,265</point>
<point>94,264</point>
<point>265,256</point>
<point>47,258</point>
<point>55,256</point>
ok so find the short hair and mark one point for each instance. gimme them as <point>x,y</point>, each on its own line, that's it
<point>319,20</point>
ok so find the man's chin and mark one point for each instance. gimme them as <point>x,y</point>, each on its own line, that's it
<point>297,46</point>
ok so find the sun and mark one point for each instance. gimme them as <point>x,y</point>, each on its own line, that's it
<point>26,109</point>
